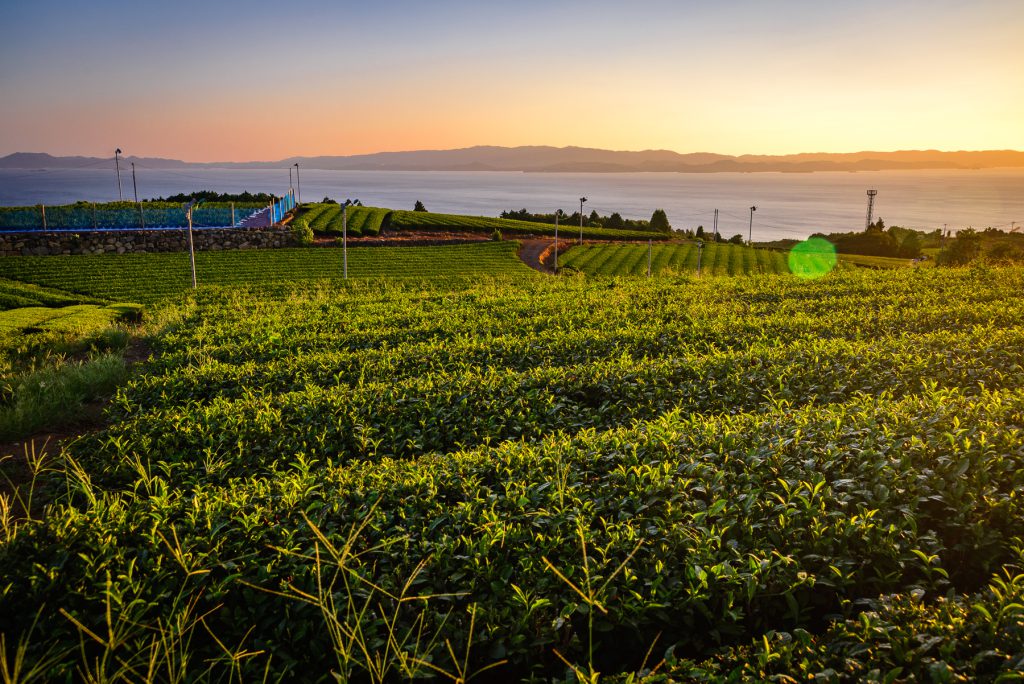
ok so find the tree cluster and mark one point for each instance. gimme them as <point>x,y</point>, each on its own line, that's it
<point>658,221</point>
<point>700,234</point>
<point>877,240</point>
<point>211,196</point>
<point>991,245</point>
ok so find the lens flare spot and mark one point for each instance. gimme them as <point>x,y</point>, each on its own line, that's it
<point>812,258</point>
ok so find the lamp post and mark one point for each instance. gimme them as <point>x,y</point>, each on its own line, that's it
<point>700,250</point>
<point>298,182</point>
<point>750,236</point>
<point>582,200</point>
<point>290,184</point>
<point>117,165</point>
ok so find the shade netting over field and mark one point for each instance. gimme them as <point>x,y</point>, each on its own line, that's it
<point>88,216</point>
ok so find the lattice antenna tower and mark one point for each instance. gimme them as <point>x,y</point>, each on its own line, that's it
<point>871,207</point>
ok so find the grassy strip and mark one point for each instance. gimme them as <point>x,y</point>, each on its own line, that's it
<point>15,295</point>
<point>69,319</point>
<point>39,386</point>
<point>55,397</point>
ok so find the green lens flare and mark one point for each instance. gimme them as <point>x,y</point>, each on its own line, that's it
<point>812,258</point>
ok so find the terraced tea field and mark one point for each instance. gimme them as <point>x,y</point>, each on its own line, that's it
<point>328,218</point>
<point>151,277</point>
<point>547,478</point>
<point>411,220</point>
<point>717,259</point>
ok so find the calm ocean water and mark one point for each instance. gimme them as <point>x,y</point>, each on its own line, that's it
<point>788,205</point>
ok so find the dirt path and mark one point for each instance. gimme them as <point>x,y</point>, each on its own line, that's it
<point>531,251</point>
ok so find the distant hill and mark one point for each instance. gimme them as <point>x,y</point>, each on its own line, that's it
<point>571,159</point>
<point>40,160</point>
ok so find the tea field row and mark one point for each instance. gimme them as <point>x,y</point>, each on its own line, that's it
<point>150,277</point>
<point>715,259</point>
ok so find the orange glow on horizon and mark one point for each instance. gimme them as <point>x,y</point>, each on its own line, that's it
<point>694,79</point>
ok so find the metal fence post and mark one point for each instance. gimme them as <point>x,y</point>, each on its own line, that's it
<point>191,249</point>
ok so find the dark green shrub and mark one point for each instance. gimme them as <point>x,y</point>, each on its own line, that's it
<point>302,234</point>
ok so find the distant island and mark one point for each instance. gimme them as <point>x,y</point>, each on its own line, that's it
<point>545,159</point>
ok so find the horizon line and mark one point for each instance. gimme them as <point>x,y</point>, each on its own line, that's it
<point>518,147</point>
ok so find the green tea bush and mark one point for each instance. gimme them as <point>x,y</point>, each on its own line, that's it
<point>724,479</point>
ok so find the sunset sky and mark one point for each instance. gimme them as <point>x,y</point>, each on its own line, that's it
<point>233,81</point>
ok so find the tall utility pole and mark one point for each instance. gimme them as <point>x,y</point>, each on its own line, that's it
<point>344,235</point>
<point>716,225</point>
<point>117,165</point>
<point>558,212</point>
<point>188,207</point>
<point>298,182</point>
<point>871,207</point>
<point>582,200</point>
<point>750,237</point>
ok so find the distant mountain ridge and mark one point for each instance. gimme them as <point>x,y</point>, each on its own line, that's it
<point>546,159</point>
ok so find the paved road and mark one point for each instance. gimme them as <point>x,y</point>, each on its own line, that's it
<point>530,254</point>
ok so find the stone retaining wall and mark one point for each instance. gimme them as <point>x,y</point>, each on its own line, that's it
<point>31,243</point>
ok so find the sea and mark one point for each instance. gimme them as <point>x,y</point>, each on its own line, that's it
<point>789,205</point>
